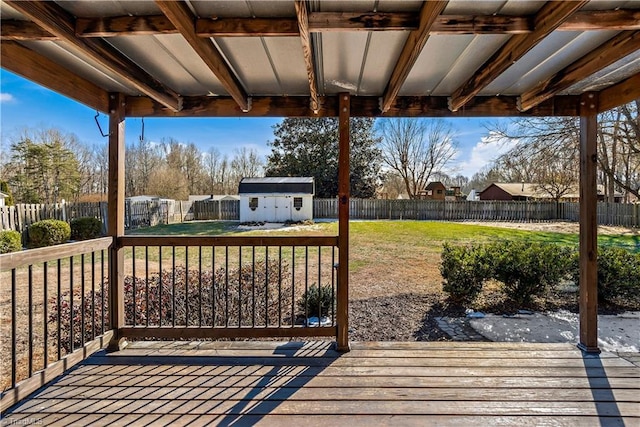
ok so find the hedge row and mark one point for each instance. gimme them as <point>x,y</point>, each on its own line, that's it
<point>527,270</point>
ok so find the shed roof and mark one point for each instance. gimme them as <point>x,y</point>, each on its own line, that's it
<point>277,185</point>
<point>288,58</point>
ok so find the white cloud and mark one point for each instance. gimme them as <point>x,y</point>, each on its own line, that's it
<point>484,152</point>
<point>6,97</point>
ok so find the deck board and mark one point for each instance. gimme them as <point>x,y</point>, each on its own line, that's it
<point>271,383</point>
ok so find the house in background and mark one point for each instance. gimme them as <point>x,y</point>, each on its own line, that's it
<point>433,191</point>
<point>2,197</point>
<point>507,191</point>
<point>529,191</point>
<point>276,199</point>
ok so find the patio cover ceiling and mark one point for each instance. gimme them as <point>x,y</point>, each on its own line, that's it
<point>290,58</point>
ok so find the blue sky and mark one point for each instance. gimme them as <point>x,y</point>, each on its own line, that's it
<point>26,105</point>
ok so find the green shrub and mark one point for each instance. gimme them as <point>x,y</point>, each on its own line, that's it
<point>464,269</point>
<point>618,275</point>
<point>529,269</point>
<point>86,228</point>
<point>48,232</point>
<point>10,241</point>
<point>317,301</point>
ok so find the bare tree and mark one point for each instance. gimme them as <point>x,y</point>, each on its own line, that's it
<point>416,148</point>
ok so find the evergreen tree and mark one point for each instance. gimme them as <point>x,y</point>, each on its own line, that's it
<point>309,147</point>
<point>4,188</point>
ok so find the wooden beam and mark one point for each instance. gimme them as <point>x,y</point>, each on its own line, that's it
<point>619,94</point>
<point>411,51</point>
<point>361,106</point>
<point>550,16</point>
<point>12,29</point>
<point>588,224</point>
<point>344,183</point>
<point>247,27</point>
<point>181,16</point>
<point>41,70</point>
<point>54,19</point>
<point>594,20</point>
<point>606,54</point>
<point>124,26</point>
<point>307,52</point>
<point>115,217</point>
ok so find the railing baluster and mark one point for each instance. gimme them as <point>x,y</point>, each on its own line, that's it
<point>173,276</point>
<point>226,286</point>
<point>239,286</point>
<point>45,314</point>
<point>82,300</point>
<point>186,285</point>
<point>93,295</point>
<point>160,285</point>
<point>14,323</point>
<point>59,274</point>
<point>266,286</point>
<point>30,321</point>
<point>102,253</point>
<point>279,286</point>
<point>253,286</point>
<point>71,343</point>
<point>333,285</point>
<point>319,283</point>
<point>293,286</point>
<point>213,286</point>
<point>146,284</point>
<point>133,285</point>
<point>200,285</point>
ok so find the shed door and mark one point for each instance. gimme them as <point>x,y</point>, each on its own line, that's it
<point>282,208</point>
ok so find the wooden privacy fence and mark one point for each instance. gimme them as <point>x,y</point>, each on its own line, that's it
<point>216,209</point>
<point>622,214</point>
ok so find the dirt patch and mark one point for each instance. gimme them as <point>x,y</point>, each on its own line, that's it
<point>558,227</point>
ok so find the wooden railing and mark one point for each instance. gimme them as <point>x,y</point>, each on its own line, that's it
<point>229,287</point>
<point>54,309</point>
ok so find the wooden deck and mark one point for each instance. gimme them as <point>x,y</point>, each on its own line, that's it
<point>308,384</point>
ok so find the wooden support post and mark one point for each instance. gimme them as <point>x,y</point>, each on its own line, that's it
<point>588,225</point>
<point>342,335</point>
<point>115,217</point>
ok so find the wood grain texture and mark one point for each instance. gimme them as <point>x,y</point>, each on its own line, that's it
<point>56,20</point>
<point>344,183</point>
<point>11,29</point>
<point>307,52</point>
<point>606,54</point>
<point>550,16</point>
<point>247,27</point>
<point>411,51</point>
<point>124,26</point>
<point>626,91</point>
<point>41,70</point>
<point>588,292</point>
<point>275,241</point>
<point>216,383</point>
<point>183,19</point>
<point>361,106</point>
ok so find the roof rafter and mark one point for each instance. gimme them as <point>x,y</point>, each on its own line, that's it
<point>550,16</point>
<point>183,19</point>
<point>35,67</point>
<point>606,54</point>
<point>54,19</point>
<point>307,51</point>
<point>626,91</point>
<point>411,51</point>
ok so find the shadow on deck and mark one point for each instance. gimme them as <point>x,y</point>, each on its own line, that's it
<point>399,383</point>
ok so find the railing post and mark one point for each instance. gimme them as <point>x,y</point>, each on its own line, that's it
<point>115,216</point>
<point>342,333</point>
<point>588,225</point>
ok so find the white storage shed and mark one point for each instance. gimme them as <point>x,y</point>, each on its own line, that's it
<point>276,199</point>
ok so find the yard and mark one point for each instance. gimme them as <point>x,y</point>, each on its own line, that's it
<point>395,285</point>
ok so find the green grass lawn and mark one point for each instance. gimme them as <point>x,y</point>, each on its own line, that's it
<point>386,257</point>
